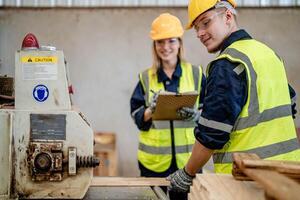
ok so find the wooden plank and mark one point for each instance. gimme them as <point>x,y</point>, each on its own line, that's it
<point>245,160</point>
<point>239,157</point>
<point>160,193</point>
<point>225,187</point>
<point>7,97</point>
<point>238,173</point>
<point>198,190</point>
<point>287,167</point>
<point>105,150</point>
<point>120,193</point>
<point>276,185</point>
<point>128,181</point>
<point>238,165</point>
<point>194,194</point>
<point>191,196</point>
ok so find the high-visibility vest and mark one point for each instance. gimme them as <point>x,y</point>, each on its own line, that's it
<point>265,125</point>
<point>155,145</point>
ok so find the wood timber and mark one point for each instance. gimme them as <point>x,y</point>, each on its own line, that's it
<point>120,193</point>
<point>276,185</point>
<point>128,181</point>
<point>287,167</point>
<point>225,187</point>
<point>266,173</point>
<point>290,169</point>
<point>191,196</point>
<point>195,193</point>
<point>237,163</point>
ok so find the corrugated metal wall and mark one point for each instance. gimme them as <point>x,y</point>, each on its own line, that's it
<point>133,3</point>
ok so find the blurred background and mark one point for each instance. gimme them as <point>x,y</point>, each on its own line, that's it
<point>106,44</point>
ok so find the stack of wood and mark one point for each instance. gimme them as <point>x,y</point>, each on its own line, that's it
<point>278,178</point>
<point>6,92</point>
<point>253,178</point>
<point>224,187</point>
<point>105,150</point>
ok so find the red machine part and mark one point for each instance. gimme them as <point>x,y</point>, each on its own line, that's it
<point>30,41</point>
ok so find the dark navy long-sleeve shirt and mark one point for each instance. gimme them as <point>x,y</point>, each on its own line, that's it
<point>226,95</point>
<point>137,101</point>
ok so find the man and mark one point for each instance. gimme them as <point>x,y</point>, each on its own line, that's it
<point>247,104</point>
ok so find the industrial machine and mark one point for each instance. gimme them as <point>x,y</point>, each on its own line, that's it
<point>46,148</point>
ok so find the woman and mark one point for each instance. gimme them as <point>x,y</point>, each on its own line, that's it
<point>165,146</point>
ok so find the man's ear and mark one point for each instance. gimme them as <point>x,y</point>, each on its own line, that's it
<point>229,17</point>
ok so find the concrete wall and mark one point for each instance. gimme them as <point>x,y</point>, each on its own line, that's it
<point>106,48</point>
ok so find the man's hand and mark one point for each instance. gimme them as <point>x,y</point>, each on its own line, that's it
<point>180,181</point>
<point>189,114</point>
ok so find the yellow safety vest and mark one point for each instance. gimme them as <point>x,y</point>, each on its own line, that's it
<point>265,125</point>
<point>155,145</point>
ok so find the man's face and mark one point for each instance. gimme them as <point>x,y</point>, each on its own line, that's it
<point>212,29</point>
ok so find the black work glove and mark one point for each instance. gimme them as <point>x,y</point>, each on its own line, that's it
<point>153,101</point>
<point>189,114</point>
<point>180,181</point>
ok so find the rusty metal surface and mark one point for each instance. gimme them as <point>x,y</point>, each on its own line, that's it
<point>45,161</point>
<point>118,193</point>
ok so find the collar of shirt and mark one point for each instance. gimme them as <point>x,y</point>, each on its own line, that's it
<point>235,36</point>
<point>161,75</point>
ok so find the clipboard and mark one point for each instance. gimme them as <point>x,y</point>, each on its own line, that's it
<point>168,103</point>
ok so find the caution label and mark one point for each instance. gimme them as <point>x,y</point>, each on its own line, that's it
<point>39,68</point>
<point>39,59</point>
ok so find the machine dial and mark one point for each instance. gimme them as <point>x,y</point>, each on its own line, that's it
<point>43,162</point>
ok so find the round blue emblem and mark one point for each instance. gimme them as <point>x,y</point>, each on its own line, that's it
<point>40,93</point>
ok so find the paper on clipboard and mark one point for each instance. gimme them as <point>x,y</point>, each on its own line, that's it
<point>168,103</point>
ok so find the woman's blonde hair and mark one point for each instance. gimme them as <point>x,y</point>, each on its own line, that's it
<point>157,60</point>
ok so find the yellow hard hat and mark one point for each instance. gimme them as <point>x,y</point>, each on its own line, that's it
<point>197,7</point>
<point>166,26</point>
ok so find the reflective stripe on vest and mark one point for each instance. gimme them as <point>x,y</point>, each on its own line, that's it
<point>262,152</point>
<point>136,111</point>
<point>215,125</point>
<point>165,150</point>
<point>176,124</point>
<point>145,83</point>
